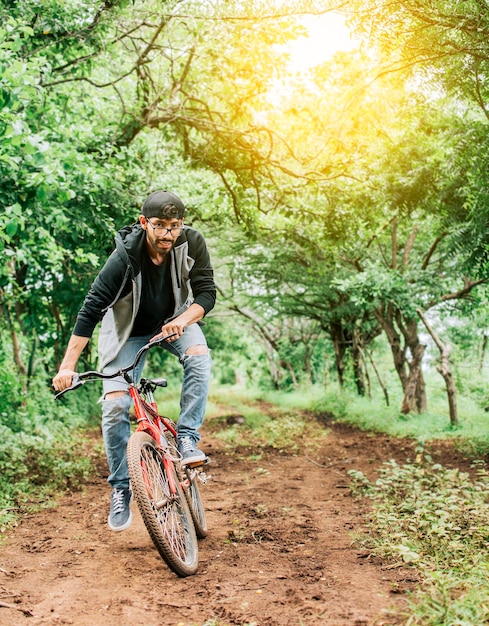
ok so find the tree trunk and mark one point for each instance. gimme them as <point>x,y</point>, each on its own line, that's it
<point>337,337</point>
<point>402,335</point>
<point>414,400</point>
<point>307,364</point>
<point>22,370</point>
<point>485,338</point>
<point>386,320</point>
<point>287,365</point>
<point>377,374</point>
<point>444,370</point>
<point>272,366</point>
<point>358,365</point>
<point>16,346</point>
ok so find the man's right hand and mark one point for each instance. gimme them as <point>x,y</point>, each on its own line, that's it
<point>63,379</point>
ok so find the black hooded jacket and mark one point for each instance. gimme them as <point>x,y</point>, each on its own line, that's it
<point>115,295</point>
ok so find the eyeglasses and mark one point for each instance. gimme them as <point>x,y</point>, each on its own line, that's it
<point>162,230</point>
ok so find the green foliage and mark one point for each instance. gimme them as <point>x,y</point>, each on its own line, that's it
<point>236,356</point>
<point>376,286</point>
<point>10,387</point>
<point>372,414</point>
<point>41,451</point>
<point>58,194</point>
<point>40,441</point>
<point>436,519</point>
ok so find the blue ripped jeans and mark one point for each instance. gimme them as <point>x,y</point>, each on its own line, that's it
<point>115,412</point>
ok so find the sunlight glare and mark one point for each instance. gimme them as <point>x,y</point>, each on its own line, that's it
<point>327,35</point>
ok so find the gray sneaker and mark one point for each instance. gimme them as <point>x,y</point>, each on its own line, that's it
<point>189,452</point>
<point>120,516</point>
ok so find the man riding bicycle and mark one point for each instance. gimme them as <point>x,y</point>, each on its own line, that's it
<point>158,281</point>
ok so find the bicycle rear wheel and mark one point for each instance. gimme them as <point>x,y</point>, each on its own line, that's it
<point>189,478</point>
<point>195,502</point>
<point>166,516</point>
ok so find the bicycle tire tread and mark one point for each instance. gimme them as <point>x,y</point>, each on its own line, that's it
<point>196,506</point>
<point>183,566</point>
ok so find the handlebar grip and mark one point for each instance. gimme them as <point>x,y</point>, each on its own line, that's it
<point>77,382</point>
<point>161,340</point>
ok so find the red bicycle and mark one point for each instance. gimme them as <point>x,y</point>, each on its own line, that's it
<point>167,493</point>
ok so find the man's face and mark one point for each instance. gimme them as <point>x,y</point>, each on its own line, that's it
<point>161,234</point>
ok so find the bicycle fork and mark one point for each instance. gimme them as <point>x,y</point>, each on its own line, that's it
<point>146,425</point>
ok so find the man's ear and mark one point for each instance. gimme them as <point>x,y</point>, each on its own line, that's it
<point>143,221</point>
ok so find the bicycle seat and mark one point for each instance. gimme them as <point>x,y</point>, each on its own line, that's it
<point>159,382</point>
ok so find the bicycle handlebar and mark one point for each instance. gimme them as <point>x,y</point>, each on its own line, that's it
<point>80,379</point>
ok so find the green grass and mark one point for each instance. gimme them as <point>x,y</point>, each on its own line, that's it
<point>371,414</point>
<point>471,436</point>
<point>44,450</point>
<point>277,425</point>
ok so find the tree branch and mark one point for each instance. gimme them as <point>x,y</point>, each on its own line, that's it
<point>431,251</point>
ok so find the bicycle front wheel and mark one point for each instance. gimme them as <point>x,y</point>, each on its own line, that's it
<point>165,514</point>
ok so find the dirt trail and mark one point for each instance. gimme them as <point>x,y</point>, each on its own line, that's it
<point>280,551</point>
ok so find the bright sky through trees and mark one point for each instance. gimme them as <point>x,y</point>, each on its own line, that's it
<point>327,34</point>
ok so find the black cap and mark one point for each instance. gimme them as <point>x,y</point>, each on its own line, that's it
<point>163,204</point>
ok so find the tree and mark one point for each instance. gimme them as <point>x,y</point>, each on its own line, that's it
<point>367,166</point>
<point>446,44</point>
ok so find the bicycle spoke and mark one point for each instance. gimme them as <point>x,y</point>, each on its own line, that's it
<point>166,506</point>
<point>166,514</point>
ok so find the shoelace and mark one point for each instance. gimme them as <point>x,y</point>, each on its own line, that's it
<point>118,501</point>
<point>186,445</point>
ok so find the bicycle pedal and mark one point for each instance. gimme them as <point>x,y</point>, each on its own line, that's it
<point>203,477</point>
<point>198,464</point>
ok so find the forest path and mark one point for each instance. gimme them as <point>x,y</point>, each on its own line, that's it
<point>281,549</point>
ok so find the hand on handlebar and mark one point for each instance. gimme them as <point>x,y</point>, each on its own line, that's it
<point>63,379</point>
<point>169,332</point>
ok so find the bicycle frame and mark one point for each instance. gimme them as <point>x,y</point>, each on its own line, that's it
<point>154,428</point>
